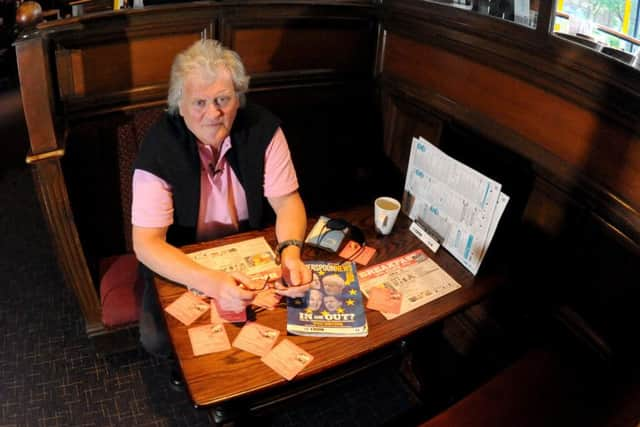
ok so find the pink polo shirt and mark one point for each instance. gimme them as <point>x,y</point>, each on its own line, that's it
<point>223,204</point>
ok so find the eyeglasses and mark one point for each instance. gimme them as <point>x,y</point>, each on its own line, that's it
<point>272,283</point>
<point>355,233</point>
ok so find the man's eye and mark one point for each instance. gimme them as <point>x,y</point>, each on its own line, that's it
<point>222,101</point>
<point>200,103</point>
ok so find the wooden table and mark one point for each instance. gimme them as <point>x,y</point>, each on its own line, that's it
<point>236,380</point>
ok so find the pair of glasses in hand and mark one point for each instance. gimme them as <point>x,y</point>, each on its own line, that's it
<point>271,283</point>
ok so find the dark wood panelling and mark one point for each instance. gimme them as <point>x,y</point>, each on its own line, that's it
<point>107,62</point>
<point>118,60</point>
<point>301,44</point>
<point>107,68</point>
<point>335,142</point>
<point>579,137</point>
<point>287,49</point>
<point>563,248</point>
<point>582,75</point>
<point>403,121</point>
<point>550,211</point>
<point>571,231</point>
<point>544,163</point>
<point>599,284</point>
<point>586,270</point>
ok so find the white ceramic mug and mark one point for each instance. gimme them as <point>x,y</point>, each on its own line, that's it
<point>386,211</point>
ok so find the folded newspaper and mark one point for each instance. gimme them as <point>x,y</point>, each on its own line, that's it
<point>415,276</point>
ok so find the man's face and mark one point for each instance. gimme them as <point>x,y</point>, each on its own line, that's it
<point>209,105</point>
<point>315,299</point>
<point>332,303</point>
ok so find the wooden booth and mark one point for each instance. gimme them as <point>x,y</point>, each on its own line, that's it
<point>557,123</point>
<point>92,86</point>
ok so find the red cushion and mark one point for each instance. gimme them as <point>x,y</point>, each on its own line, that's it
<point>120,290</point>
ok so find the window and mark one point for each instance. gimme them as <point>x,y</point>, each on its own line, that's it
<point>610,26</point>
<point>523,12</point>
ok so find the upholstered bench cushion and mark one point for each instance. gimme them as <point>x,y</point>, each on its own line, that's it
<point>120,290</point>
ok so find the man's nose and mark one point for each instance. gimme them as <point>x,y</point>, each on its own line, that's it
<point>213,110</point>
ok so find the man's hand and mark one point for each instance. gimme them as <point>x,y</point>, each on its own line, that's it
<point>294,273</point>
<point>291,223</point>
<point>224,288</point>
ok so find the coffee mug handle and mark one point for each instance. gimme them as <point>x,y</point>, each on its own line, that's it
<point>383,220</point>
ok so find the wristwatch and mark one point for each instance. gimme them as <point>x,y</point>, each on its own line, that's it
<point>282,245</point>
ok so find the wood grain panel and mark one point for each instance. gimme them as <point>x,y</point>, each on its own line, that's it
<point>35,89</point>
<point>571,71</point>
<point>120,65</point>
<point>401,125</point>
<point>549,210</point>
<point>52,193</point>
<point>284,49</point>
<point>579,137</point>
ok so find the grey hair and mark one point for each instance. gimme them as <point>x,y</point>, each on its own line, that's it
<point>205,55</point>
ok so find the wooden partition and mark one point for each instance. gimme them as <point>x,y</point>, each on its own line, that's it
<point>557,126</point>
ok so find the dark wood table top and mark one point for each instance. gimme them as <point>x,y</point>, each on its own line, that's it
<point>218,378</point>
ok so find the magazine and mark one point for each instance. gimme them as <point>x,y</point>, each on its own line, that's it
<point>415,276</point>
<point>333,305</point>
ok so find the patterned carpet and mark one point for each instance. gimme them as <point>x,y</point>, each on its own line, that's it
<point>51,376</point>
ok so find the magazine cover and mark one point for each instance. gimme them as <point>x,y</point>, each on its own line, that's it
<point>333,305</point>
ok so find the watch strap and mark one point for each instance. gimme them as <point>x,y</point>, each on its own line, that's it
<point>283,245</point>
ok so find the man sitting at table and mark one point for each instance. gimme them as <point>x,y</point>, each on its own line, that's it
<point>205,170</point>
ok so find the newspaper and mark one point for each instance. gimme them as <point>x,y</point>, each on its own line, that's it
<point>461,206</point>
<point>253,257</point>
<point>414,275</point>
